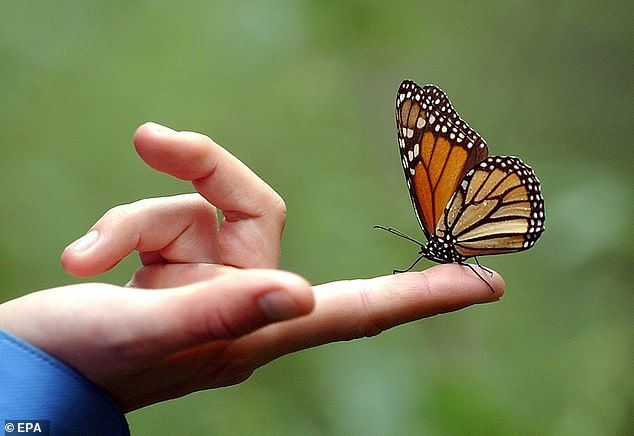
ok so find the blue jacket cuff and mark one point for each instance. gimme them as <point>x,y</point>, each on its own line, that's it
<point>35,386</point>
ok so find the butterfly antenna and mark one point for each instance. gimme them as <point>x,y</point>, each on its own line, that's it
<point>483,267</point>
<point>408,269</point>
<point>399,234</point>
<point>481,278</point>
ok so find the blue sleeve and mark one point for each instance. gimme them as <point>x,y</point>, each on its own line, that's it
<point>37,386</point>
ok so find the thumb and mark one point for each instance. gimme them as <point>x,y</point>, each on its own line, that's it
<point>228,306</point>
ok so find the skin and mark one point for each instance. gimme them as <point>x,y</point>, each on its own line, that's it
<point>193,317</point>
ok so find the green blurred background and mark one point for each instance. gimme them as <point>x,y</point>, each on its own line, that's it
<point>303,93</point>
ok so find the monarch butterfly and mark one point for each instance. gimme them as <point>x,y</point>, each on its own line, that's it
<point>468,204</point>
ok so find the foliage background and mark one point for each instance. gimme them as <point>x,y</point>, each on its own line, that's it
<point>303,92</point>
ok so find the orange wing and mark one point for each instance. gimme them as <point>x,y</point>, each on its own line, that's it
<point>498,209</point>
<point>437,149</point>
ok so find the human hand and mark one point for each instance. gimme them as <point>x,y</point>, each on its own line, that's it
<point>206,326</point>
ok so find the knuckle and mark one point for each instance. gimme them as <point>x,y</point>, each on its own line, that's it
<point>117,213</point>
<point>369,324</point>
<point>429,290</point>
<point>128,209</point>
<point>202,209</point>
<point>126,216</point>
<point>220,327</point>
<point>203,138</point>
<point>280,206</point>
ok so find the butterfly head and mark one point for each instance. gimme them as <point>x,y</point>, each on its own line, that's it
<point>441,250</point>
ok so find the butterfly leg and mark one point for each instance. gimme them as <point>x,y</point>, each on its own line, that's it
<point>483,267</point>
<point>408,269</point>
<point>478,274</point>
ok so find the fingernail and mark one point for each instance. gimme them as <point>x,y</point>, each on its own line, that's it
<point>278,305</point>
<point>85,241</point>
<point>159,128</point>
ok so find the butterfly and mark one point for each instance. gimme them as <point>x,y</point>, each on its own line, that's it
<point>468,203</point>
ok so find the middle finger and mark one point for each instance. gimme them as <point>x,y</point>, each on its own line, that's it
<point>254,213</point>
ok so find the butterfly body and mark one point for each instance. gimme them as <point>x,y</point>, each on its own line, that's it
<point>467,203</point>
<point>441,250</point>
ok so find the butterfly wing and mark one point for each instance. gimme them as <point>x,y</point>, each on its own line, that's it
<point>498,209</point>
<point>437,149</point>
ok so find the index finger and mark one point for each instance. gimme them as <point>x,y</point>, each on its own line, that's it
<point>359,308</point>
<point>217,175</point>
